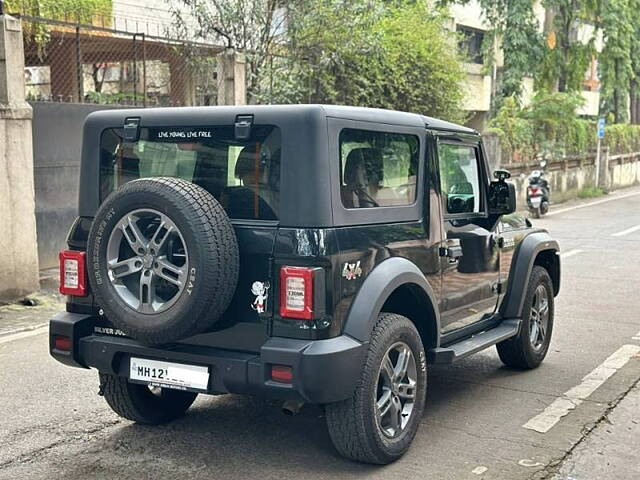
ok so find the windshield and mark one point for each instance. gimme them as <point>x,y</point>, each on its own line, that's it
<point>243,175</point>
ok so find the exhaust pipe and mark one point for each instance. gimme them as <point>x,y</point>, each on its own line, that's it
<point>292,407</point>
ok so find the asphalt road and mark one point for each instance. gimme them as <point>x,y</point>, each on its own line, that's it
<point>54,425</point>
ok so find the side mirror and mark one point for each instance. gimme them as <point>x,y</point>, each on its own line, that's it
<point>502,198</point>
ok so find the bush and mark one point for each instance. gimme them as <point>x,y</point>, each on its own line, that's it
<point>548,126</point>
<point>590,192</point>
<point>622,138</point>
<point>398,58</point>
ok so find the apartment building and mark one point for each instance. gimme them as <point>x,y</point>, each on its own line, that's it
<point>482,75</point>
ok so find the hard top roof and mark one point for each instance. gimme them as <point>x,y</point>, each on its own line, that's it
<point>392,116</point>
<point>376,115</point>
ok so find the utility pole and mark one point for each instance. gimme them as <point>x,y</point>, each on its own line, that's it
<point>601,125</point>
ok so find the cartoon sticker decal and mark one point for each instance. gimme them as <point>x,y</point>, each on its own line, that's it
<point>261,291</point>
<point>351,271</point>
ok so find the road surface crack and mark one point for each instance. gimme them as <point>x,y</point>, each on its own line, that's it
<point>548,471</point>
<point>68,437</point>
<point>495,437</point>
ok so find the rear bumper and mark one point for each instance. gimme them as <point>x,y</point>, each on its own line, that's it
<point>324,371</point>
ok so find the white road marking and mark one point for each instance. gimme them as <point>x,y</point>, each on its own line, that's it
<point>19,335</point>
<point>626,232</point>
<point>526,462</point>
<point>592,204</point>
<point>479,470</point>
<point>572,398</point>
<point>636,336</point>
<point>571,253</point>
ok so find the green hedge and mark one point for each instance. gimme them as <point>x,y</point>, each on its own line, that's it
<point>549,127</point>
<point>622,138</point>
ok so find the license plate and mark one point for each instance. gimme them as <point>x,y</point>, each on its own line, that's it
<point>536,201</point>
<point>178,376</point>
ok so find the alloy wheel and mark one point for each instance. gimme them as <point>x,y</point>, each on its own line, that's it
<point>147,261</point>
<point>396,389</point>
<point>539,318</point>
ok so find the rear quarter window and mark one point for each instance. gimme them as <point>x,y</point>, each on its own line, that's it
<point>243,175</point>
<point>378,169</point>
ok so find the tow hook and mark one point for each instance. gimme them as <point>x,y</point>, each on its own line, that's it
<point>292,407</point>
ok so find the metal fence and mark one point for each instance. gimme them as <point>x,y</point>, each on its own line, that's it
<point>78,63</point>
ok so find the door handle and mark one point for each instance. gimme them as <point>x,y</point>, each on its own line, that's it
<point>452,250</point>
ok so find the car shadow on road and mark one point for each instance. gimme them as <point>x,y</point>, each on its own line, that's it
<point>244,437</point>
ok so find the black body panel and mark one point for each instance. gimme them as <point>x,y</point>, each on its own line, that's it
<point>460,278</point>
<point>323,370</point>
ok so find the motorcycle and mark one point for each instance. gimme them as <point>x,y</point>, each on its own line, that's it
<point>538,192</point>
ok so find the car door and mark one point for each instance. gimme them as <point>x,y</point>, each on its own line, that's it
<point>470,259</point>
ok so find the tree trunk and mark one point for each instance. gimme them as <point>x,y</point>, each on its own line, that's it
<point>95,74</point>
<point>616,94</point>
<point>565,45</point>
<point>634,102</point>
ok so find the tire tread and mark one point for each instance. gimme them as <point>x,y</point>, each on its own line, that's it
<point>346,419</point>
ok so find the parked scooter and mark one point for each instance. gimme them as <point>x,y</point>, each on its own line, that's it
<point>538,192</point>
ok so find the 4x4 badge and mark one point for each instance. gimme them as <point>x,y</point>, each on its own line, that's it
<point>351,271</point>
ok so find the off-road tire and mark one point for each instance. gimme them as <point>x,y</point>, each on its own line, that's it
<point>517,352</point>
<point>352,423</point>
<point>139,404</point>
<point>213,259</point>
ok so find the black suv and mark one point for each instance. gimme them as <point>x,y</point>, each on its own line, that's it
<point>316,254</point>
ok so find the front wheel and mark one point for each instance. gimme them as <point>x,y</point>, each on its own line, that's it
<point>527,349</point>
<point>378,423</point>
<point>144,404</point>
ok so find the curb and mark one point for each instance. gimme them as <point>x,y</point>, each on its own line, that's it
<point>23,329</point>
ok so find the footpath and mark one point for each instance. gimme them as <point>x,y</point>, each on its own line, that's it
<point>612,449</point>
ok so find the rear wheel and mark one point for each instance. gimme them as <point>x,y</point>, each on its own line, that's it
<point>528,348</point>
<point>544,208</point>
<point>378,424</point>
<point>535,212</point>
<point>142,403</point>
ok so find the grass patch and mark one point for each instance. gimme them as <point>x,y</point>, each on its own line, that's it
<point>591,192</point>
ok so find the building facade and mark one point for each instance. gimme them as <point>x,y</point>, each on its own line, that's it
<point>483,76</point>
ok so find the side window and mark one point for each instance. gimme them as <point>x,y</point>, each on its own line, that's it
<point>459,178</point>
<point>378,169</point>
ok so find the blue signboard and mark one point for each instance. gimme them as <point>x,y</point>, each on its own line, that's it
<point>601,124</point>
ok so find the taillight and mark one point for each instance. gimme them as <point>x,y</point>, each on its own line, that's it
<point>62,343</point>
<point>296,292</point>
<point>73,273</point>
<point>281,373</point>
<point>535,191</point>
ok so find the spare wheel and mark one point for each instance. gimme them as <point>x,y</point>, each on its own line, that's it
<point>162,259</point>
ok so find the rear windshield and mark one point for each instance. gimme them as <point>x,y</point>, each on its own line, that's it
<point>243,175</point>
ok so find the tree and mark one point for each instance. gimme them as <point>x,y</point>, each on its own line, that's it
<point>82,11</point>
<point>616,66</point>
<point>252,26</point>
<point>548,125</point>
<point>634,82</point>
<point>515,22</point>
<point>376,53</point>
<point>371,54</point>
<point>566,57</point>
